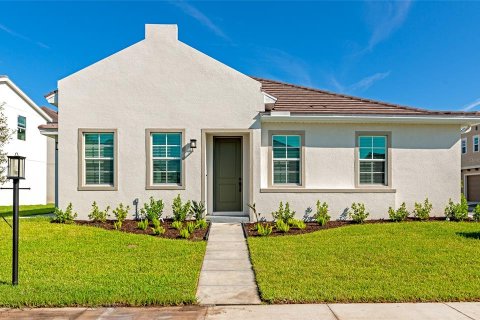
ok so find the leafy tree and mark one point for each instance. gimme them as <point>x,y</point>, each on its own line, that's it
<point>5,136</point>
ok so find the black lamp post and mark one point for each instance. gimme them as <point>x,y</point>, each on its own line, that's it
<point>16,171</point>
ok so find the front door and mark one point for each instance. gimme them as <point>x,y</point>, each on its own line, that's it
<point>227,174</point>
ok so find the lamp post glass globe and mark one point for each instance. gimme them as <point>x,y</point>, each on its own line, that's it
<point>16,167</point>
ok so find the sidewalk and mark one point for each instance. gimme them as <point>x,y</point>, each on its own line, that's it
<point>361,311</point>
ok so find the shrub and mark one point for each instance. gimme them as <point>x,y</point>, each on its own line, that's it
<point>66,216</point>
<point>180,211</point>
<point>121,214</point>
<point>201,224</point>
<point>297,223</point>
<point>358,212</point>
<point>283,213</point>
<point>264,230</point>
<point>400,214</point>
<point>198,210</point>
<point>321,216</point>
<point>184,233</point>
<point>282,226</point>
<point>190,227</point>
<point>158,230</point>
<point>177,225</point>
<point>152,210</point>
<point>117,225</point>
<point>142,224</point>
<point>422,212</point>
<point>254,209</point>
<point>156,223</point>
<point>97,215</point>
<point>476,213</point>
<point>457,211</point>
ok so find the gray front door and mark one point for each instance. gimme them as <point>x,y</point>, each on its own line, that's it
<point>227,174</point>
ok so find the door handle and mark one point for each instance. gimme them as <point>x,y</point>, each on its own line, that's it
<point>239,184</point>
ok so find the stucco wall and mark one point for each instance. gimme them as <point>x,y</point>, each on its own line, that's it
<point>471,159</point>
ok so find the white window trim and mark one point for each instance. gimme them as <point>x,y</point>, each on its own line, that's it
<point>287,159</point>
<point>24,128</point>
<point>360,160</point>
<point>473,143</point>
<point>152,158</point>
<point>85,158</point>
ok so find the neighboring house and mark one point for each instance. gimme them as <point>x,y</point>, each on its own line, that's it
<point>160,118</point>
<point>471,163</point>
<point>24,116</point>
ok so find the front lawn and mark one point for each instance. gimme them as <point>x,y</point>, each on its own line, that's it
<point>28,210</point>
<point>72,265</point>
<point>394,262</point>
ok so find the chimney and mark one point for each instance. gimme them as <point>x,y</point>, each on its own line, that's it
<point>168,32</point>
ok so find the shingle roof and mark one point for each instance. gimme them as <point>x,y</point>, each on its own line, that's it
<point>54,115</point>
<point>304,100</point>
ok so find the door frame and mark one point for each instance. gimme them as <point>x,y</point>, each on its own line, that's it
<point>465,182</point>
<point>207,167</point>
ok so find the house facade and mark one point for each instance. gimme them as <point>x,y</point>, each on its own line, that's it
<point>160,118</point>
<point>24,116</point>
<point>470,173</point>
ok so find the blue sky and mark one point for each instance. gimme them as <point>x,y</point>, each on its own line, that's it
<point>423,54</point>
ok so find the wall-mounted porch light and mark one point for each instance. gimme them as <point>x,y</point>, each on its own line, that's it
<point>193,143</point>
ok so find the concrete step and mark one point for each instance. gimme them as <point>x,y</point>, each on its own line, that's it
<point>227,219</point>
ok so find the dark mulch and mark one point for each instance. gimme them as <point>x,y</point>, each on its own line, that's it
<point>314,226</point>
<point>130,226</point>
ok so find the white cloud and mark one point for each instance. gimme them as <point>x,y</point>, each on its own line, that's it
<point>289,66</point>
<point>367,82</point>
<point>471,105</point>
<point>21,36</point>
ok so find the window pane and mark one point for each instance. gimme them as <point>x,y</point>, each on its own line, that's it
<point>106,139</point>
<point>106,151</point>
<point>21,134</point>
<point>173,177</point>
<point>379,178</point>
<point>293,177</point>
<point>365,178</point>
<point>279,166</point>
<point>280,177</point>
<point>365,153</point>
<point>91,139</point>
<point>159,139</point>
<point>378,153</point>
<point>22,121</point>
<point>379,142</point>
<point>92,172</point>
<point>173,165</point>
<point>293,153</point>
<point>173,139</point>
<point>365,166</point>
<point>378,166</point>
<point>159,165</point>
<point>159,177</point>
<point>279,141</point>
<point>279,153</point>
<point>106,177</point>
<point>293,141</point>
<point>173,152</point>
<point>365,142</point>
<point>159,151</point>
<point>91,151</point>
<point>293,166</point>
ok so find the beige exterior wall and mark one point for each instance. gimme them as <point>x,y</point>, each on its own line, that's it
<point>471,159</point>
<point>50,170</point>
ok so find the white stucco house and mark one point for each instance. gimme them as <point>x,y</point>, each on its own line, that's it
<point>160,118</point>
<point>24,116</point>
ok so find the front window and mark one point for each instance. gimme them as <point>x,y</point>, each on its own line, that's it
<point>373,159</point>
<point>464,146</point>
<point>286,159</point>
<point>475,143</point>
<point>99,158</point>
<point>21,128</point>
<point>166,158</point>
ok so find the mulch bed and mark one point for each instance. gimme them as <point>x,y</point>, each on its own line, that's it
<point>130,226</point>
<point>314,226</point>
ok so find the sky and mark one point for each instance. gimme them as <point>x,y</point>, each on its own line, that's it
<point>414,53</point>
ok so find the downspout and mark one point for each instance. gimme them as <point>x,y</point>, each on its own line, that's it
<point>56,172</point>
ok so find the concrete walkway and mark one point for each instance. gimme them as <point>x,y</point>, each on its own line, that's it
<point>227,276</point>
<point>360,311</point>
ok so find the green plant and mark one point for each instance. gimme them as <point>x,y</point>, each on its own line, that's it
<point>297,223</point>
<point>457,211</point>
<point>321,216</point>
<point>142,224</point>
<point>400,214</point>
<point>152,210</point>
<point>121,214</point>
<point>254,209</point>
<point>190,227</point>
<point>156,223</point>
<point>201,224</point>
<point>180,211</point>
<point>476,213</point>
<point>117,225</point>
<point>282,226</point>
<point>158,230</point>
<point>264,230</point>
<point>358,212</point>
<point>283,213</point>
<point>198,210</point>
<point>184,233</point>
<point>98,215</point>
<point>422,211</point>
<point>177,225</point>
<point>66,216</point>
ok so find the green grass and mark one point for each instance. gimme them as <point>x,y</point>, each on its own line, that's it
<point>69,265</point>
<point>28,210</point>
<point>395,262</point>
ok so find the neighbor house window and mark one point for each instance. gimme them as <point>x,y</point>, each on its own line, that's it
<point>475,143</point>
<point>372,159</point>
<point>21,128</point>
<point>464,146</point>
<point>286,150</point>
<point>166,151</point>
<point>99,158</point>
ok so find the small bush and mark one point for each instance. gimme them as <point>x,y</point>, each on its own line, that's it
<point>297,223</point>
<point>184,233</point>
<point>152,210</point>
<point>422,211</point>
<point>476,213</point>
<point>264,230</point>
<point>400,214</point>
<point>282,226</point>
<point>283,213</point>
<point>97,215</point>
<point>201,224</point>
<point>358,212</point>
<point>198,210</point>
<point>66,216</point>
<point>158,230</point>
<point>121,214</point>
<point>142,224</point>
<point>457,211</point>
<point>177,225</point>
<point>180,211</point>
<point>321,216</point>
<point>117,225</point>
<point>190,227</point>
<point>156,223</point>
